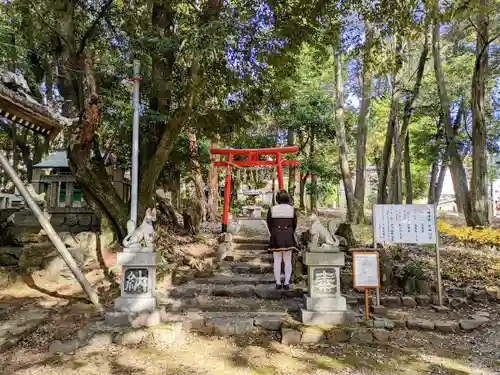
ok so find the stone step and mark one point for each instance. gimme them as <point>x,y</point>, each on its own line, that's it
<point>249,256</point>
<point>249,268</point>
<point>250,240</point>
<point>231,304</point>
<point>259,291</point>
<point>251,246</point>
<point>235,279</point>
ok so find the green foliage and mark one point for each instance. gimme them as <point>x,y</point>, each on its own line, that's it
<point>419,269</point>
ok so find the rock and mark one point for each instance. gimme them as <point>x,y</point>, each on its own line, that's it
<point>410,285</point>
<point>409,302</point>
<point>447,326</point>
<point>423,300</point>
<point>269,323</point>
<point>480,296</point>
<point>55,267</point>
<point>312,335</point>
<point>64,347</point>
<point>226,237</point>
<point>166,335</point>
<point>153,318</point>
<point>194,321</point>
<point>390,301</point>
<point>379,323</point>
<point>435,299</point>
<point>440,309</point>
<point>290,336</point>
<point>240,291</point>
<point>472,324</point>
<point>101,339</point>
<point>168,316</point>
<point>493,295</point>
<point>361,336</point>
<point>458,302</point>
<point>424,287</point>
<point>483,313</point>
<point>379,310</point>
<point>399,323</point>
<point>229,326</point>
<point>426,325</point>
<point>381,335</point>
<point>268,292</point>
<point>134,337</point>
<point>337,336</point>
<point>397,315</point>
<point>457,292</point>
<point>481,318</point>
<point>389,324</point>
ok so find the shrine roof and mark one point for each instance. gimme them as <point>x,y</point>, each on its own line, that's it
<point>57,159</point>
<point>17,104</point>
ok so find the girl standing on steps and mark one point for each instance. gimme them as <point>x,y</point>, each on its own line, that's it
<point>282,222</point>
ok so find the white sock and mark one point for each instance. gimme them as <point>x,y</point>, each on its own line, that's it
<point>287,259</point>
<point>277,266</point>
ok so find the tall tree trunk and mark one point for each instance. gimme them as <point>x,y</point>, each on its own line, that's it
<point>291,168</point>
<point>407,163</point>
<point>302,190</point>
<point>314,176</point>
<point>362,131</point>
<point>456,166</point>
<point>401,145</point>
<point>385,160</point>
<point>431,194</point>
<point>341,136</point>
<point>479,178</point>
<point>87,165</point>
<point>194,163</point>
<point>213,190</point>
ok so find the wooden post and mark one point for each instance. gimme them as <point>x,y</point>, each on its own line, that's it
<point>279,170</point>
<point>51,233</point>
<point>227,195</point>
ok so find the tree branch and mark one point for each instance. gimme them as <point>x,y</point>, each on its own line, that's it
<point>91,30</point>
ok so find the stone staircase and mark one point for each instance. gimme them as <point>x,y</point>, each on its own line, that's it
<point>241,290</point>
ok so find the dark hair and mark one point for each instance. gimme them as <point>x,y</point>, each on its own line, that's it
<point>282,197</point>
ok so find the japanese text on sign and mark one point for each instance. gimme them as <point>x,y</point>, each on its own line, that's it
<point>396,223</point>
<point>366,270</point>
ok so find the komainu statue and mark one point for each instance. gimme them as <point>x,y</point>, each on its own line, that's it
<point>144,233</point>
<point>322,238</point>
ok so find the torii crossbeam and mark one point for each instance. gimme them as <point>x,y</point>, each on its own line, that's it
<point>252,160</point>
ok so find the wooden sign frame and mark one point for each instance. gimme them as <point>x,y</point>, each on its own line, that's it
<point>354,253</point>
<point>366,288</point>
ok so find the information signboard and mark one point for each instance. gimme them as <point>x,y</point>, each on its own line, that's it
<point>399,224</point>
<point>366,270</point>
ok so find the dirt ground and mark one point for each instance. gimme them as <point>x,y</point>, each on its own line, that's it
<point>410,352</point>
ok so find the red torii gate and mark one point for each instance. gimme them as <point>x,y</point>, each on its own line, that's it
<point>252,155</point>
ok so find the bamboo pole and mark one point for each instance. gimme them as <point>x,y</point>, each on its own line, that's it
<point>51,233</point>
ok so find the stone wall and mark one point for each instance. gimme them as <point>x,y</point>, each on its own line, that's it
<point>73,220</point>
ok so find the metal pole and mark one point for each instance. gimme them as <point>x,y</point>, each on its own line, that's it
<point>135,146</point>
<point>438,261</point>
<point>51,233</point>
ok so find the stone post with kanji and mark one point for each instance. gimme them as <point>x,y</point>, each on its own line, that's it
<point>324,303</point>
<point>138,261</point>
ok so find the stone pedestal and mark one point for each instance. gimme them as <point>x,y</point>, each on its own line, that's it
<point>324,304</point>
<point>138,280</point>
